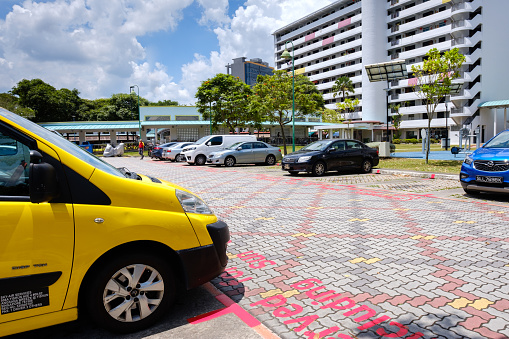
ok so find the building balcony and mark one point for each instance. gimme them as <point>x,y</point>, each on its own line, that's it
<point>419,37</point>
<point>465,7</point>
<point>324,64</point>
<point>419,23</point>
<point>423,123</point>
<point>414,10</point>
<point>466,25</point>
<point>338,48</point>
<point>295,35</point>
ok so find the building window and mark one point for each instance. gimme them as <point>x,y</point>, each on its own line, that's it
<point>187,134</point>
<point>187,117</point>
<point>158,118</point>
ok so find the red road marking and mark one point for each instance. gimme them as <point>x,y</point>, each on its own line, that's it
<point>231,307</point>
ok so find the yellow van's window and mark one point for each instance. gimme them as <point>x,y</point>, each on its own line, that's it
<point>14,167</point>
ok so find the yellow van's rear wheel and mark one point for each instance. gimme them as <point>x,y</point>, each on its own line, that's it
<point>131,292</point>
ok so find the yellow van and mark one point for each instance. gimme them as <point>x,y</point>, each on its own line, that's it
<point>78,234</point>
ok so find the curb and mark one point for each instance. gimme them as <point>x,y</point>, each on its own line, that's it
<point>427,175</point>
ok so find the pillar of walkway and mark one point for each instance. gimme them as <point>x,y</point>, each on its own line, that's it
<point>82,137</point>
<point>113,138</point>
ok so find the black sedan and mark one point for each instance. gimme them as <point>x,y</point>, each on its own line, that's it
<point>331,155</point>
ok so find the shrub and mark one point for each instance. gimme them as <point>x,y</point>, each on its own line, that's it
<point>396,141</point>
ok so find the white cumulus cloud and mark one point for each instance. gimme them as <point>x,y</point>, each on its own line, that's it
<point>94,45</point>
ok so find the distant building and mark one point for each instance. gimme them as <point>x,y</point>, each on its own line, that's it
<point>248,71</point>
<point>341,38</point>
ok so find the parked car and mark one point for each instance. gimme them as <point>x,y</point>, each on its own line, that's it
<point>157,151</point>
<point>198,152</point>
<point>487,168</point>
<point>331,155</point>
<point>246,153</point>
<point>80,236</point>
<point>173,152</point>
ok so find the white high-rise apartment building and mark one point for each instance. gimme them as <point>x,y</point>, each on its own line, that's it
<point>340,39</point>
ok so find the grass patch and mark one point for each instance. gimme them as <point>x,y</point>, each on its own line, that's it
<point>419,165</point>
<point>418,147</point>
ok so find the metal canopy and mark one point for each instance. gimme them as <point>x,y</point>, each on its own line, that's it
<point>495,104</point>
<point>387,71</point>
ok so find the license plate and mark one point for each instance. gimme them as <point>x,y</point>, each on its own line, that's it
<point>286,166</point>
<point>482,178</point>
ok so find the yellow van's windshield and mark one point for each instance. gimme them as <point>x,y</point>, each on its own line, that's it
<point>61,142</point>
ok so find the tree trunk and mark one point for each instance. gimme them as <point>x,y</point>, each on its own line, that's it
<point>284,137</point>
<point>428,139</point>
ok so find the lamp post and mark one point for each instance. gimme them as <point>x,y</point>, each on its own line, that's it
<point>139,118</point>
<point>454,89</point>
<point>387,71</point>
<point>286,55</point>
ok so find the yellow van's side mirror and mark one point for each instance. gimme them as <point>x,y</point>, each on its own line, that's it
<point>42,179</point>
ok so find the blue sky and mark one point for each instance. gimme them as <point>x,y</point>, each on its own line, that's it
<point>166,47</point>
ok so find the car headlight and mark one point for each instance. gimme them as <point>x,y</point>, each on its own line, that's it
<point>468,160</point>
<point>217,155</point>
<point>304,159</point>
<point>189,149</point>
<point>191,203</point>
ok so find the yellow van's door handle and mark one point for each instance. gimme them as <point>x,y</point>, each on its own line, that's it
<point>98,220</point>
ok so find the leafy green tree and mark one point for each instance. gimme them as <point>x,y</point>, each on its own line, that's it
<point>434,80</point>
<point>11,103</point>
<point>47,103</point>
<point>332,116</point>
<point>224,99</point>
<point>396,119</point>
<point>164,103</point>
<point>348,106</point>
<point>272,99</point>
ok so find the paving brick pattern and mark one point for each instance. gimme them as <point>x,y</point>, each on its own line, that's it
<point>318,259</point>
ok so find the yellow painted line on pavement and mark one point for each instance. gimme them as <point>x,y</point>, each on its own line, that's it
<point>357,219</point>
<point>303,235</point>
<point>357,260</point>
<point>271,293</point>
<point>263,218</point>
<point>460,303</point>
<point>482,303</point>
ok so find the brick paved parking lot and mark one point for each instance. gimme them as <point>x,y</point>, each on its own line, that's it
<point>356,256</point>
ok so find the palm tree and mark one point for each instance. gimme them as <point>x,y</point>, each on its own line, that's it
<point>343,85</point>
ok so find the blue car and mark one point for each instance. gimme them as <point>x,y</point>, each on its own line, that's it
<point>487,168</point>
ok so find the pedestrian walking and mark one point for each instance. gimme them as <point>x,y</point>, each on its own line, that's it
<point>141,146</point>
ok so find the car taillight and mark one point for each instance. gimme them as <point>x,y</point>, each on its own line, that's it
<point>280,150</point>
<point>157,147</point>
<point>377,152</point>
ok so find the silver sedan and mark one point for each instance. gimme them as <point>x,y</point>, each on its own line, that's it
<point>173,152</point>
<point>246,153</point>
